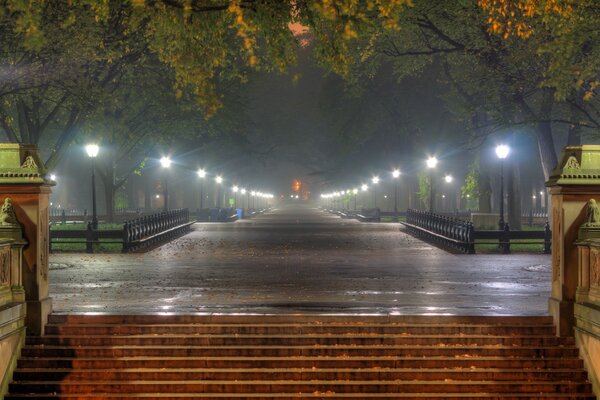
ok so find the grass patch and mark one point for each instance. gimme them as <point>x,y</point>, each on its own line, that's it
<point>105,245</point>
<point>83,226</point>
<point>58,247</point>
<point>516,246</point>
<point>391,219</point>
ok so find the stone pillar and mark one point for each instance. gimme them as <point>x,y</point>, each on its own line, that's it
<point>573,183</point>
<point>22,179</point>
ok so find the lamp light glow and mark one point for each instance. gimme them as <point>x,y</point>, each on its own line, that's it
<point>165,162</point>
<point>396,173</point>
<point>92,150</point>
<point>502,151</point>
<point>375,180</point>
<point>201,173</point>
<point>432,162</point>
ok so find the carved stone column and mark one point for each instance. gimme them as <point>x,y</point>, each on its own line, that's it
<point>22,179</point>
<point>573,183</point>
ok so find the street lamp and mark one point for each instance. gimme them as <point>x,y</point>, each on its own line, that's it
<point>502,151</point>
<point>201,174</point>
<point>165,162</point>
<point>431,164</point>
<point>235,189</point>
<point>448,179</point>
<point>92,152</point>
<point>375,181</point>
<point>355,193</point>
<point>243,191</point>
<point>396,175</point>
<point>218,181</point>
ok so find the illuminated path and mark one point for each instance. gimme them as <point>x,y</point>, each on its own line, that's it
<point>300,260</point>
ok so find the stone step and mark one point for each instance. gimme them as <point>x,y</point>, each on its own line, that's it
<point>278,386</point>
<point>296,374</point>
<point>289,351</point>
<point>314,395</point>
<point>302,362</point>
<point>297,340</point>
<point>297,320</point>
<point>276,329</point>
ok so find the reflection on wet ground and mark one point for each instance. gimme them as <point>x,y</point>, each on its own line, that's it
<point>300,260</point>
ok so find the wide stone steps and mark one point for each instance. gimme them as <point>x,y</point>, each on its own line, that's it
<point>299,340</point>
<point>290,351</point>
<point>297,374</point>
<point>314,395</point>
<point>282,386</point>
<point>465,361</point>
<point>291,329</point>
<point>278,357</point>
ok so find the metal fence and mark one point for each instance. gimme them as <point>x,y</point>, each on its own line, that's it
<point>137,234</point>
<point>462,236</point>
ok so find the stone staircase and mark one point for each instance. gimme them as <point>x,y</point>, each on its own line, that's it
<point>277,357</point>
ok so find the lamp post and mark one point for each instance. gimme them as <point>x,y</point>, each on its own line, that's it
<point>396,175</point>
<point>364,187</point>
<point>201,175</point>
<point>235,189</point>
<point>431,164</point>
<point>448,179</point>
<point>92,152</point>
<point>502,151</point>
<point>165,162</point>
<point>355,193</point>
<point>218,181</point>
<point>375,181</point>
<point>243,191</point>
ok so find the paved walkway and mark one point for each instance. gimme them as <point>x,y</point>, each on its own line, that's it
<point>300,260</point>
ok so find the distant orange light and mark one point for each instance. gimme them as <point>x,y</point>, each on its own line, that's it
<point>297,185</point>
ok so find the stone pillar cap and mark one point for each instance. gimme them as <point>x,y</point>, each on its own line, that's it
<point>21,164</point>
<point>578,165</point>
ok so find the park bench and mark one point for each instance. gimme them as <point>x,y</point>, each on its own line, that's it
<point>369,215</point>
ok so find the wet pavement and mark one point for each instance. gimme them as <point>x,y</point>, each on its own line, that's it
<point>300,260</point>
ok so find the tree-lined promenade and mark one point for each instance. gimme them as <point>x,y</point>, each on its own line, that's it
<point>138,76</point>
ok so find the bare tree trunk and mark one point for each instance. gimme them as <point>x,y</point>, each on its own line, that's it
<point>147,194</point>
<point>574,137</point>
<point>485,187</point>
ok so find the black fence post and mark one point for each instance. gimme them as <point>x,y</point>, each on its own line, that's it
<point>89,239</point>
<point>547,238</point>
<point>505,241</point>
<point>126,236</point>
<point>471,238</point>
<point>63,217</point>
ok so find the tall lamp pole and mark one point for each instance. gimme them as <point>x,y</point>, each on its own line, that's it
<point>355,193</point>
<point>431,164</point>
<point>201,175</point>
<point>218,181</point>
<point>364,187</point>
<point>448,179</point>
<point>502,151</point>
<point>92,151</point>
<point>375,181</point>
<point>396,175</point>
<point>165,162</point>
<point>235,189</point>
